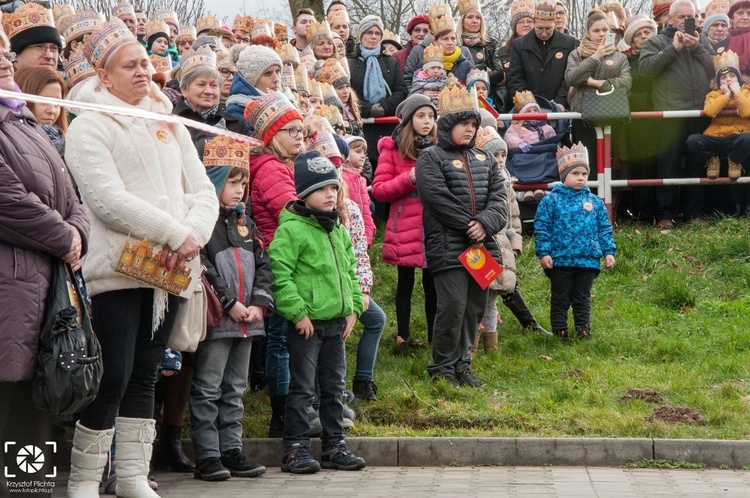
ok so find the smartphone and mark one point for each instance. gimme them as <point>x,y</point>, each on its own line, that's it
<point>610,39</point>
<point>690,26</point>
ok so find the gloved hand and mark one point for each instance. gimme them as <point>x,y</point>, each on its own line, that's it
<point>524,147</point>
<point>171,363</point>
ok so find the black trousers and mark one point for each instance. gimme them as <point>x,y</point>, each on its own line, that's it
<point>571,287</point>
<point>122,321</point>
<point>735,147</point>
<point>404,289</point>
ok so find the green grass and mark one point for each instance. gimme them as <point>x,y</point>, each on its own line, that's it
<point>672,316</point>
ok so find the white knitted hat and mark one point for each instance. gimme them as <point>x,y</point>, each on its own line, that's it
<point>255,60</point>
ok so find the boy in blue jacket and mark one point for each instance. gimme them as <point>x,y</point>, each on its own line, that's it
<point>572,234</point>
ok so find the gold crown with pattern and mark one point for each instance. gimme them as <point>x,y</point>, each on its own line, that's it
<point>161,63</point>
<point>331,113</point>
<point>201,57</point>
<point>576,155</point>
<point>315,29</point>
<point>314,89</point>
<point>442,24</point>
<point>207,23</point>
<point>301,79</point>
<point>186,33</point>
<point>339,17</point>
<point>328,92</point>
<point>440,10</point>
<point>77,69</point>
<point>280,32</point>
<point>457,99</point>
<point>433,53</point>
<point>389,35</point>
<point>332,73</point>
<point>80,24</point>
<point>141,263</point>
<point>62,10</point>
<point>156,26</point>
<point>323,141</point>
<point>167,15</point>
<point>287,77</point>
<point>484,136</point>
<point>477,75</point>
<point>717,7</point>
<point>663,2</point>
<point>727,60</point>
<point>100,44</point>
<point>243,23</point>
<point>289,54</point>
<point>522,99</point>
<point>315,124</point>
<point>262,27</point>
<point>29,15</point>
<point>465,6</point>
<point>123,9</point>
<point>544,10</point>
<point>522,8</point>
<point>225,152</point>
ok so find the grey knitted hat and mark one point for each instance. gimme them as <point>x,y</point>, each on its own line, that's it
<point>255,60</point>
<point>406,109</point>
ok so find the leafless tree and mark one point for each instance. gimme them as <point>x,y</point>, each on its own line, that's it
<point>315,5</point>
<point>188,11</point>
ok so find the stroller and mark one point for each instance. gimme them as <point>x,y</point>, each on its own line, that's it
<point>539,165</point>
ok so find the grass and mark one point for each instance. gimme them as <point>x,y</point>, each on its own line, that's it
<point>672,316</point>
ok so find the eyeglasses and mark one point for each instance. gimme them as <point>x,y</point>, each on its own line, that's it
<point>43,47</point>
<point>243,40</point>
<point>293,132</point>
<point>560,13</point>
<point>419,31</point>
<point>8,56</point>
<point>226,72</point>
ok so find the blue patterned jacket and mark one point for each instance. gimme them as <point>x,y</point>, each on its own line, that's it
<point>572,227</point>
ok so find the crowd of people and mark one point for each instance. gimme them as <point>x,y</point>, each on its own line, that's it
<point>283,221</point>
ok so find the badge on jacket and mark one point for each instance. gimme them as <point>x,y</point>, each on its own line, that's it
<point>480,56</point>
<point>163,136</point>
<point>559,55</point>
<point>457,164</point>
<point>481,157</point>
<point>610,62</point>
<point>588,206</point>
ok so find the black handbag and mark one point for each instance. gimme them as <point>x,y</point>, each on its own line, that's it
<point>605,108</point>
<point>69,367</point>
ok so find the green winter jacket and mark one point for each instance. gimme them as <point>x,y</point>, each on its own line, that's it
<point>313,271</point>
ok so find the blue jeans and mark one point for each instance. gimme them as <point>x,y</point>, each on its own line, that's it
<point>323,353</point>
<point>374,322</point>
<point>277,355</point>
<point>219,381</point>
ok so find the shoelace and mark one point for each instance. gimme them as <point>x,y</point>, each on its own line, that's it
<point>146,436</point>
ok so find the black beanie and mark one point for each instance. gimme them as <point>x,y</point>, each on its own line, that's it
<point>312,170</point>
<point>154,37</point>
<point>33,36</point>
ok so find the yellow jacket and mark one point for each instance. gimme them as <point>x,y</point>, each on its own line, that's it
<point>724,126</point>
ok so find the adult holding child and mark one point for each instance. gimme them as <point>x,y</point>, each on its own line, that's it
<point>472,33</point>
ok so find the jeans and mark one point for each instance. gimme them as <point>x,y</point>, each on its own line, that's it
<point>277,355</point>
<point>323,353</point>
<point>571,287</point>
<point>367,350</point>
<point>404,290</point>
<point>219,381</point>
<point>122,322</point>
<point>735,147</point>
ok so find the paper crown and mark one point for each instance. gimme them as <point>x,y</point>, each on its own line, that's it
<point>663,2</point>
<point>62,10</point>
<point>477,75</point>
<point>161,63</point>
<point>315,29</point>
<point>457,99</point>
<point>717,7</point>
<point>323,141</point>
<point>544,10</point>
<point>389,35</point>
<point>315,124</point>
<point>226,152</point>
<point>442,24</point>
<point>727,60</point>
<point>288,54</point>
<point>329,94</point>
<point>263,114</point>
<point>167,15</point>
<point>29,15</point>
<point>186,33</point>
<point>156,26</point>
<point>522,99</point>
<point>287,77</point>
<point>338,17</point>
<point>440,10</point>
<point>140,262</point>
<point>484,136</point>
<point>202,57</point>
<point>280,32</point>
<point>301,79</point>
<point>465,6</point>
<point>333,73</point>
<point>77,69</point>
<point>433,54</point>
<point>243,23</point>
<point>123,9</point>
<point>262,27</point>
<point>576,155</point>
<point>314,89</point>
<point>207,23</point>
<point>522,8</point>
<point>100,44</point>
<point>332,114</point>
<point>80,24</point>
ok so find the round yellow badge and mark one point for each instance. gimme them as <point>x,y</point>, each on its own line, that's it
<point>610,63</point>
<point>481,157</point>
<point>457,164</point>
<point>559,55</point>
<point>480,55</point>
<point>163,136</point>
<point>588,206</point>
<point>506,64</point>
<point>243,230</point>
<point>475,259</point>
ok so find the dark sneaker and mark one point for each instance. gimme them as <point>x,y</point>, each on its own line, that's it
<point>449,378</point>
<point>339,458</point>
<point>584,334</point>
<point>466,378</point>
<point>365,390</point>
<point>563,335</point>
<point>297,460</point>
<point>236,462</point>
<point>211,469</point>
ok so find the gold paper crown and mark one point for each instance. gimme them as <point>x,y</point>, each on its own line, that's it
<point>287,77</point>
<point>314,89</point>
<point>433,53</point>
<point>156,26</point>
<point>262,27</point>
<point>161,63</point>
<point>62,10</point>
<point>315,124</point>
<point>108,37</point>
<point>389,35</point>
<point>76,26</point>
<point>301,79</point>
<point>141,263</point>
<point>29,15</point>
<point>122,9</point>
<point>288,54</point>
<point>243,23</point>
<point>192,59</point>
<point>207,23</point>
<point>77,69</point>
<point>332,73</point>
<point>280,32</point>
<point>457,99</point>
<point>663,2</point>
<point>717,7</point>
<point>167,15</point>
<point>323,141</point>
<point>544,10</point>
<point>727,59</point>
<point>315,29</point>
<point>186,33</point>
<point>338,16</point>
<point>465,6</point>
<point>576,155</point>
<point>522,8</point>
<point>484,136</point>
<point>331,113</point>
<point>441,25</point>
<point>226,152</point>
<point>440,10</point>
<point>328,92</point>
<point>522,99</point>
<point>477,75</point>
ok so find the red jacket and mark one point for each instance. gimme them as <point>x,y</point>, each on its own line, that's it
<point>403,54</point>
<point>271,187</point>
<point>357,186</point>
<point>404,237</point>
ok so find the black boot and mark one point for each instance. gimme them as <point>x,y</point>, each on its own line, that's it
<point>516,304</point>
<point>276,426</point>
<point>366,390</point>
<point>168,451</point>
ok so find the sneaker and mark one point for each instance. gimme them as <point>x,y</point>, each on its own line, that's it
<point>584,334</point>
<point>339,458</point>
<point>236,462</point>
<point>665,224</point>
<point>365,390</point>
<point>211,469</point>
<point>466,378</point>
<point>449,378</point>
<point>563,335</point>
<point>297,460</point>
<point>402,343</point>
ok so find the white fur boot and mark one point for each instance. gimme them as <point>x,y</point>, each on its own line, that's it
<point>135,437</point>
<point>87,461</point>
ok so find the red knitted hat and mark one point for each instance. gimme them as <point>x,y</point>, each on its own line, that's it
<point>269,114</point>
<point>421,19</point>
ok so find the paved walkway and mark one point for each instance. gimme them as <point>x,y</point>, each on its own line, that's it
<point>416,482</point>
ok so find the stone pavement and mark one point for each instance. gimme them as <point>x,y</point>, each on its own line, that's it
<point>417,482</point>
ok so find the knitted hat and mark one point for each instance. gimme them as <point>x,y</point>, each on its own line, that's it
<point>636,23</point>
<point>103,42</point>
<point>406,109</point>
<point>477,75</point>
<point>520,9</point>
<point>716,11</point>
<point>341,145</point>
<point>420,19</point>
<point>77,69</point>
<point>354,138</point>
<point>80,24</point>
<point>486,119</point>
<point>489,141</point>
<point>727,62</point>
<point>206,41</point>
<point>569,158</point>
<point>29,25</point>
<point>156,29</point>
<point>221,155</point>
<point>269,114</point>
<point>254,61</point>
<point>313,171</point>
<point>368,22</point>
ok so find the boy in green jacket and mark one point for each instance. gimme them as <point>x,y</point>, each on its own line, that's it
<point>316,289</point>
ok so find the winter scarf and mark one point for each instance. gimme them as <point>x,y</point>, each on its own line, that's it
<point>420,142</point>
<point>587,48</point>
<point>327,219</point>
<point>739,43</point>
<point>374,87</point>
<point>207,114</point>
<point>449,60</point>
<point>536,126</point>
<point>470,39</point>
<point>56,136</point>
<point>15,106</point>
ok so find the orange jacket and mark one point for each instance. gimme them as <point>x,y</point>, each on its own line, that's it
<point>724,126</point>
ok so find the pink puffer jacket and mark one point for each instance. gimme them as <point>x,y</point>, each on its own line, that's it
<point>404,237</point>
<point>357,186</point>
<point>271,188</point>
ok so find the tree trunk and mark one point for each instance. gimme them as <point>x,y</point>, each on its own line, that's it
<point>315,5</point>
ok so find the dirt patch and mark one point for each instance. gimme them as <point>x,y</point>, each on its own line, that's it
<point>676,415</point>
<point>648,395</point>
<point>576,374</point>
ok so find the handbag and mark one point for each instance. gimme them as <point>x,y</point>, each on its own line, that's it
<point>605,108</point>
<point>69,368</point>
<point>190,324</point>
<point>214,309</point>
